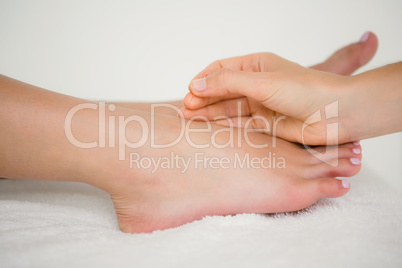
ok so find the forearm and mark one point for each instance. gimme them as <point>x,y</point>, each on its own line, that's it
<point>378,101</point>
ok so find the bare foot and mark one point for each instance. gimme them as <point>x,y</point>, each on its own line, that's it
<point>280,178</point>
<point>50,136</point>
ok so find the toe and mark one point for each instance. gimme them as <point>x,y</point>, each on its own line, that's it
<point>338,153</point>
<point>322,149</point>
<point>348,59</point>
<point>330,187</point>
<point>343,151</point>
<point>345,167</point>
<point>310,191</point>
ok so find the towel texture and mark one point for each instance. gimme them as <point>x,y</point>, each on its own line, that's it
<point>52,224</point>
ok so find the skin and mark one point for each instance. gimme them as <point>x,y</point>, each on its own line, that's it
<point>34,146</point>
<point>268,86</point>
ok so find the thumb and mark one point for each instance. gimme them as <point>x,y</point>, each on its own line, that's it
<point>256,85</point>
<point>289,92</point>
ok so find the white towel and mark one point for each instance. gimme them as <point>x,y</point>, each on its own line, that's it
<point>53,224</point>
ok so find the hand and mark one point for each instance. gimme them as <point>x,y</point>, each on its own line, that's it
<point>276,87</point>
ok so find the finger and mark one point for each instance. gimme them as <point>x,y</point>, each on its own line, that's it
<point>228,81</point>
<point>348,59</point>
<point>246,122</point>
<point>238,122</point>
<point>274,90</point>
<point>193,102</point>
<point>229,108</point>
<point>249,63</point>
<point>234,113</point>
<point>262,123</point>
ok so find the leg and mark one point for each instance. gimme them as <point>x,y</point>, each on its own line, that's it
<point>146,107</point>
<point>149,196</point>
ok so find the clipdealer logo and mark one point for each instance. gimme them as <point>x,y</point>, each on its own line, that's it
<point>112,130</point>
<point>331,112</point>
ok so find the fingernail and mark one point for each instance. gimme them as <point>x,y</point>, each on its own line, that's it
<point>364,37</point>
<point>355,161</point>
<point>356,143</point>
<point>199,84</point>
<point>345,184</point>
<point>356,150</point>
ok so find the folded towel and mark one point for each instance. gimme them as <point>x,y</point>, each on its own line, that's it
<point>60,224</point>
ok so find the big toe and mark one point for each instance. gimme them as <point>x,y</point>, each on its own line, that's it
<point>348,59</point>
<point>331,187</point>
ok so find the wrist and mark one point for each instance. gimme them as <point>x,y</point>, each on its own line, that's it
<point>371,106</point>
<point>351,113</point>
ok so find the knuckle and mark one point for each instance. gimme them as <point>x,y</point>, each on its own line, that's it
<point>270,55</point>
<point>217,64</point>
<point>225,76</point>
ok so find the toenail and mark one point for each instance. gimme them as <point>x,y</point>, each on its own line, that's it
<point>355,161</point>
<point>356,143</point>
<point>356,150</point>
<point>364,37</point>
<point>345,184</point>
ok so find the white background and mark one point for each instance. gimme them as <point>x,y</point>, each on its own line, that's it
<point>150,50</point>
